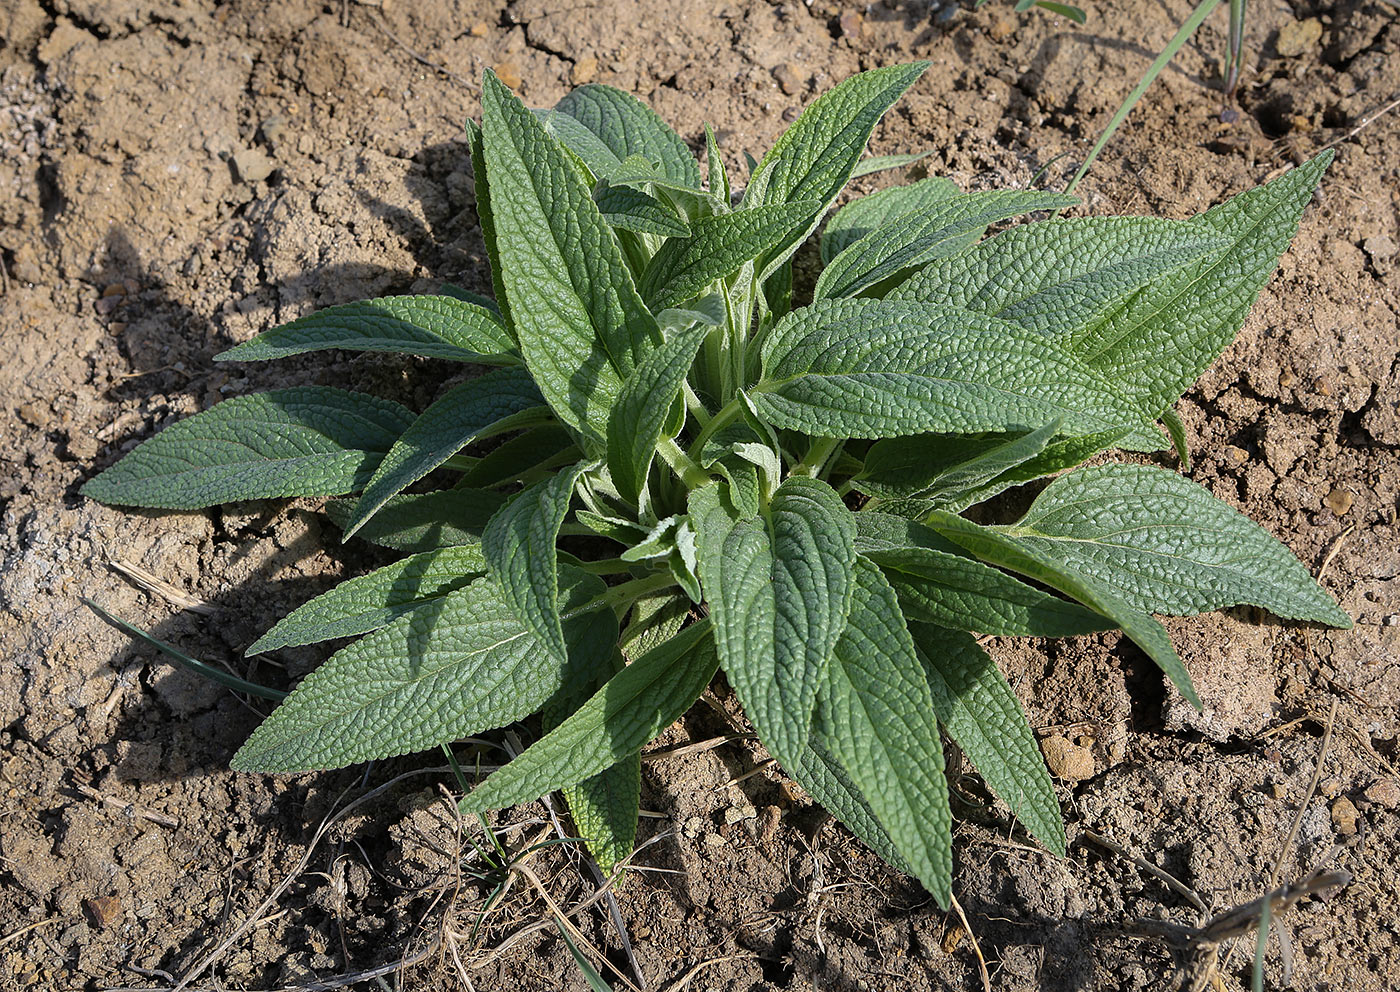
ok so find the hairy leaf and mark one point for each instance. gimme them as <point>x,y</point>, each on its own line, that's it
<point>629,127</point>
<point>549,444</point>
<point>486,218</point>
<point>432,326</point>
<point>424,521</point>
<point>304,441</point>
<point>633,210</point>
<point>946,466</point>
<point>867,213</point>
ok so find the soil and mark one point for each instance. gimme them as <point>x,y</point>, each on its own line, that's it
<point>178,175</point>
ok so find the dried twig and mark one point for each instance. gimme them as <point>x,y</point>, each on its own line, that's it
<point>976,948</point>
<point>1167,879</point>
<point>130,809</point>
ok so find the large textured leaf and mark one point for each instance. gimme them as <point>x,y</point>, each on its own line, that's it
<point>861,216</point>
<point>717,247</point>
<point>368,602</point>
<point>633,210</point>
<point>634,706</point>
<point>944,228</point>
<point>493,404</point>
<point>1001,549</point>
<point>459,666</point>
<point>604,808</point>
<point>305,441</point>
<point>424,521</point>
<point>881,726</point>
<point>433,326</point>
<point>1165,544</point>
<point>581,325</point>
<point>778,587</point>
<point>1161,340</point>
<point>519,544</point>
<point>872,369</point>
<point>946,465</point>
<point>485,217</point>
<point>974,702</point>
<point>937,583</point>
<point>815,157</point>
<point>544,445</point>
<point>629,127</point>
<point>639,418</point>
<point>1059,276</point>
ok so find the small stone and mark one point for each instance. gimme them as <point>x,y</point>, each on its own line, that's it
<point>851,24</point>
<point>736,813</point>
<point>1384,792</point>
<point>1338,501</point>
<point>82,447</point>
<point>34,415</point>
<point>1330,788</point>
<point>1067,761</point>
<point>1344,816</point>
<point>114,289</point>
<point>107,304</point>
<point>103,910</point>
<point>250,165</point>
<point>693,827</point>
<point>790,78</point>
<point>715,840</point>
<point>1297,37</point>
<point>584,71</point>
<point>1236,454</point>
<point>1001,28</point>
<point>509,73</point>
<point>479,29</point>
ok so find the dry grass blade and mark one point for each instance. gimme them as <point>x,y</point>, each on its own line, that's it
<point>1167,879</point>
<point>153,583</point>
<point>976,948</point>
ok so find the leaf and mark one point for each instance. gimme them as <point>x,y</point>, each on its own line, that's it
<point>714,165</point>
<point>879,720</point>
<point>459,666</point>
<point>519,544</point>
<point>1165,544</point>
<point>581,325</point>
<point>944,465</point>
<point>638,419</point>
<point>655,619</point>
<point>861,216</point>
<point>485,218</point>
<point>879,163</point>
<point>814,158</point>
<point>778,587</point>
<point>944,228</point>
<point>1000,549</point>
<point>604,807</point>
<point>937,583</point>
<point>718,247</point>
<point>1068,10</point>
<point>977,707</point>
<point>432,326</point>
<point>492,404</point>
<point>629,127</point>
<point>872,369</point>
<point>544,445</point>
<point>1160,341</point>
<point>633,210</point>
<point>368,602</point>
<point>305,441</point>
<point>424,521</point>
<point>1060,276</point>
<point>634,706</point>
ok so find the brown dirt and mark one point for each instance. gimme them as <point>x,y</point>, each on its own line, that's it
<point>176,176</point>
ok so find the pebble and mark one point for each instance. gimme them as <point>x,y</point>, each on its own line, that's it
<point>509,73</point>
<point>104,910</point>
<point>251,165</point>
<point>479,29</point>
<point>851,24</point>
<point>1384,792</point>
<point>1338,501</point>
<point>790,78</point>
<point>1297,37</point>
<point>1344,816</point>
<point>714,840</point>
<point>1067,761</point>
<point>584,71</point>
<point>1001,28</point>
<point>736,813</point>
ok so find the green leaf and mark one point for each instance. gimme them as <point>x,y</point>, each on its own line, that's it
<point>1160,341</point>
<point>604,807</point>
<point>432,326</point>
<point>872,369</point>
<point>654,620</point>
<point>459,666</point>
<point>974,702</point>
<point>718,247</point>
<point>585,146</point>
<point>638,419</point>
<point>492,404</point>
<point>368,602</point>
<point>633,210</point>
<point>519,544</point>
<point>879,719</point>
<point>714,165</point>
<point>634,706</point>
<point>1074,13</point>
<point>629,127</point>
<point>1001,549</point>
<point>549,444</point>
<point>581,325</point>
<point>861,216</point>
<point>938,583</point>
<point>778,586</point>
<point>424,521</point>
<point>1165,544</point>
<point>945,466</point>
<point>305,441</point>
<point>814,158</point>
<point>485,217</point>
<point>944,228</point>
<point>1060,276</point>
<point>879,163</point>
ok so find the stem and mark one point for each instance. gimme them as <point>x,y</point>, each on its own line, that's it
<point>621,597</point>
<point>682,464</point>
<point>604,566</point>
<point>696,408</point>
<point>730,410</point>
<point>816,457</point>
<point>1202,11</point>
<point>461,463</point>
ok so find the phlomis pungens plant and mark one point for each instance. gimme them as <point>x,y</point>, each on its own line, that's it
<point>782,482</point>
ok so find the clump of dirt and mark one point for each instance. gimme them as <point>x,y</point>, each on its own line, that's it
<point>176,177</point>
